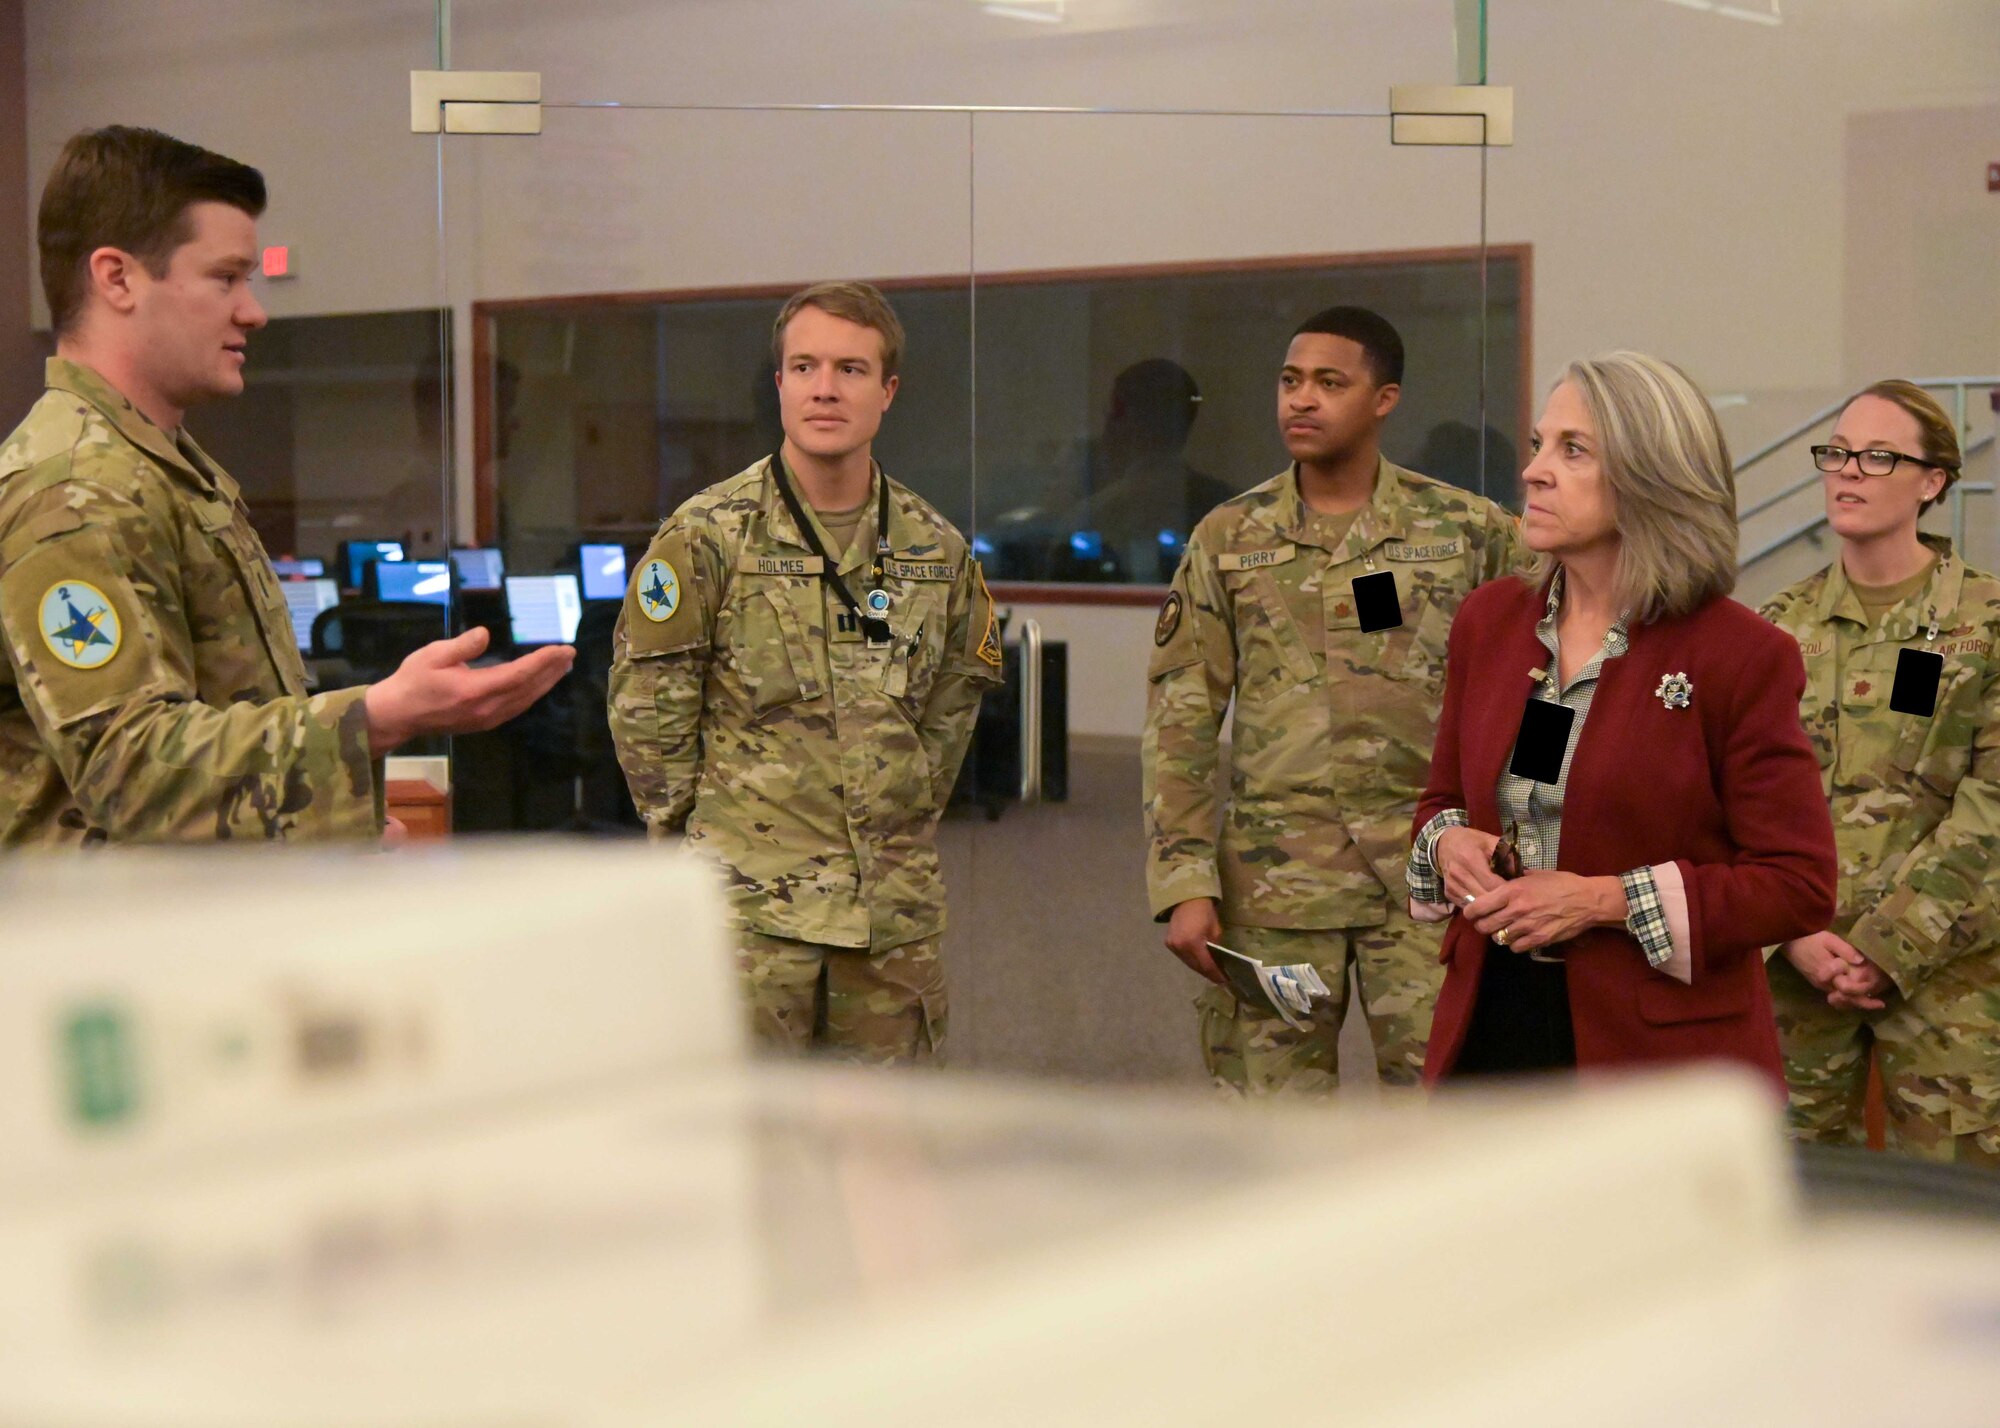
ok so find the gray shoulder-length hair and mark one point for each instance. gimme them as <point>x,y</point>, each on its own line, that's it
<point>1672,485</point>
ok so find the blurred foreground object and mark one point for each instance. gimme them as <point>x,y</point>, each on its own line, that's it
<point>490,1153</point>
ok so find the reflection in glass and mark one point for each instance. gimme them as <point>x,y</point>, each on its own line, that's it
<point>1114,409</point>
<point>338,435</point>
<point>338,444</point>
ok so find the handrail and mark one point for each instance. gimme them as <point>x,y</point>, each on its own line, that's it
<point>1031,712</point>
<point>1771,448</point>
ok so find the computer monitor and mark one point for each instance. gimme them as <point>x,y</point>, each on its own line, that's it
<point>603,572</point>
<point>305,599</point>
<point>356,554</point>
<point>426,580</point>
<point>543,609</point>
<point>479,569</point>
<point>292,568</point>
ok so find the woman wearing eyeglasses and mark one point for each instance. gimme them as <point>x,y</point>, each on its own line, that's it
<point>1902,704</point>
<point>1623,810</point>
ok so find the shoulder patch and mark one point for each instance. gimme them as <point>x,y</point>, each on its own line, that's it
<point>79,626</point>
<point>989,638</point>
<point>659,590</point>
<point>1171,610</point>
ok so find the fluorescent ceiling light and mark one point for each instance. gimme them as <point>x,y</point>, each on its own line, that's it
<point>1734,12</point>
<point>1041,12</point>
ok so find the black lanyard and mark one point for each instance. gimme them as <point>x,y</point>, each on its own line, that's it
<point>874,628</point>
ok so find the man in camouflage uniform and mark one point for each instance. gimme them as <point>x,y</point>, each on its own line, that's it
<point>1333,721</point>
<point>1911,966</point>
<point>152,689</point>
<point>794,684</point>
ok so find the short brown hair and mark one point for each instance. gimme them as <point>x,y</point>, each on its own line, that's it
<point>861,303</point>
<point>1672,485</point>
<point>127,188</point>
<point>1940,433</point>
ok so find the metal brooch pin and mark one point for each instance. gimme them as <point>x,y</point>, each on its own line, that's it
<point>1676,691</point>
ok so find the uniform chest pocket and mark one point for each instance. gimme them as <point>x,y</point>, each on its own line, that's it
<point>1430,637</point>
<point>1873,738</point>
<point>236,590</point>
<point>1943,753</point>
<point>1272,656</point>
<point>770,644</point>
<point>919,618</point>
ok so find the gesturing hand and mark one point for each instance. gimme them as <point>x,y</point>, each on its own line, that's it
<point>1540,909</point>
<point>436,691</point>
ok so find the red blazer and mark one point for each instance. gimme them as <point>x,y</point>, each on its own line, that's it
<point>1728,788</point>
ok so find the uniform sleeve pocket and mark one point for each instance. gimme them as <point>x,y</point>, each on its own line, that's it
<point>81,640</point>
<point>1428,643</point>
<point>1176,642</point>
<point>918,652</point>
<point>1943,761</point>
<point>663,611</point>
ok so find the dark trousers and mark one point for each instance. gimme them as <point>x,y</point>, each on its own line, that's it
<point>1520,1019</point>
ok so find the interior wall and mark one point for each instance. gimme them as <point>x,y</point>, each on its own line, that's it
<point>1691,184</point>
<point>20,349</point>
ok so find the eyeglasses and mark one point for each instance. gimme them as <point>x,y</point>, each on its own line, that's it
<point>1872,463</point>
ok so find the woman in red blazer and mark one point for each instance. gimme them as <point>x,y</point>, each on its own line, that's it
<point>1640,733</point>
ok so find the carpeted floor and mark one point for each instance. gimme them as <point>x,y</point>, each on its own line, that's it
<point>1055,967</point>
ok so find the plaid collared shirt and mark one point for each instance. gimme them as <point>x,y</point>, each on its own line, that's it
<point>1537,807</point>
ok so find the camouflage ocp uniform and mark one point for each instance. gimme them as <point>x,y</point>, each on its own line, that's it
<point>153,690</point>
<point>750,712</point>
<point>1916,818</point>
<point>1331,749</point>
